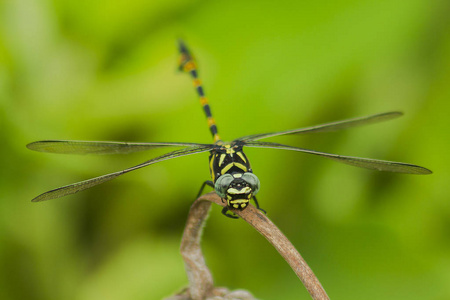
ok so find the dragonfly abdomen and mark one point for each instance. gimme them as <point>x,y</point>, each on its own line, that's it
<point>188,65</point>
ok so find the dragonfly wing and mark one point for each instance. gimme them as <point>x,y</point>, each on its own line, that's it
<point>92,147</point>
<point>333,126</point>
<point>368,163</point>
<point>82,185</point>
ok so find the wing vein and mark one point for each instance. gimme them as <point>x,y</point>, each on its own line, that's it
<point>94,147</point>
<point>368,163</point>
<point>333,126</point>
<point>82,185</point>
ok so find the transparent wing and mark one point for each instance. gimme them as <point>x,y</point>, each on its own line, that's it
<point>82,185</point>
<point>368,163</point>
<point>333,126</point>
<point>92,147</point>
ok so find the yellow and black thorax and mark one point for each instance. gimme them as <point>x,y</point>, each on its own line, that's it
<point>228,159</point>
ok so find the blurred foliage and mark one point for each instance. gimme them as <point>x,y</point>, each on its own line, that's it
<point>106,70</point>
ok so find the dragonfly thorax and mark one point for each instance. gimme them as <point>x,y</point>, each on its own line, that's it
<point>226,158</point>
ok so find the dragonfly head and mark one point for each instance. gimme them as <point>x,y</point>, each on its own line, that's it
<point>237,188</point>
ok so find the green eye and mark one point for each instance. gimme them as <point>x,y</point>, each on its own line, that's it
<point>222,184</point>
<point>252,180</point>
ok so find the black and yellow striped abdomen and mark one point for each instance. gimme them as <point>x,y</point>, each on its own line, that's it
<point>187,64</point>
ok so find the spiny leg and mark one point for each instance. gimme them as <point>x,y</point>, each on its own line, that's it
<point>225,209</point>
<point>257,205</point>
<point>207,182</point>
<point>225,213</point>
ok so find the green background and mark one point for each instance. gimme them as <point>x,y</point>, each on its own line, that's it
<point>106,70</point>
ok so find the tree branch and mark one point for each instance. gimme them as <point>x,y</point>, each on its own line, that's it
<point>200,278</point>
<point>201,283</point>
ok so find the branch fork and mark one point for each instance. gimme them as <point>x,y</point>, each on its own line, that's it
<point>201,285</point>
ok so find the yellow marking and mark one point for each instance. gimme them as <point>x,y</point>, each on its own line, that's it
<point>243,205</point>
<point>241,155</point>
<point>211,121</point>
<point>227,168</point>
<point>229,197</point>
<point>237,175</point>
<point>230,165</point>
<point>239,201</point>
<point>230,151</point>
<point>203,101</point>
<point>234,191</point>
<point>189,66</point>
<point>213,174</point>
<point>249,196</point>
<point>236,205</point>
<point>241,166</point>
<point>216,138</point>
<point>197,82</point>
<point>222,157</point>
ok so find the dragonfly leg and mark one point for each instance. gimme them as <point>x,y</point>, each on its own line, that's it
<point>257,205</point>
<point>225,213</point>
<point>207,182</point>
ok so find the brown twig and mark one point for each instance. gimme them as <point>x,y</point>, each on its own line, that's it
<point>200,279</point>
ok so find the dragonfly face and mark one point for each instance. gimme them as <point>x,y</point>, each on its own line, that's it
<point>237,188</point>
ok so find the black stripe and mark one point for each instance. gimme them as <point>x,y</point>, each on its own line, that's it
<point>200,91</point>
<point>207,110</point>
<point>182,47</point>
<point>194,73</point>
<point>213,129</point>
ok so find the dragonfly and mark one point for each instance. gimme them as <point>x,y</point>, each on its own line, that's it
<point>231,173</point>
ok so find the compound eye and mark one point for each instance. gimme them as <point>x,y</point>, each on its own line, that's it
<point>252,181</point>
<point>222,184</point>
